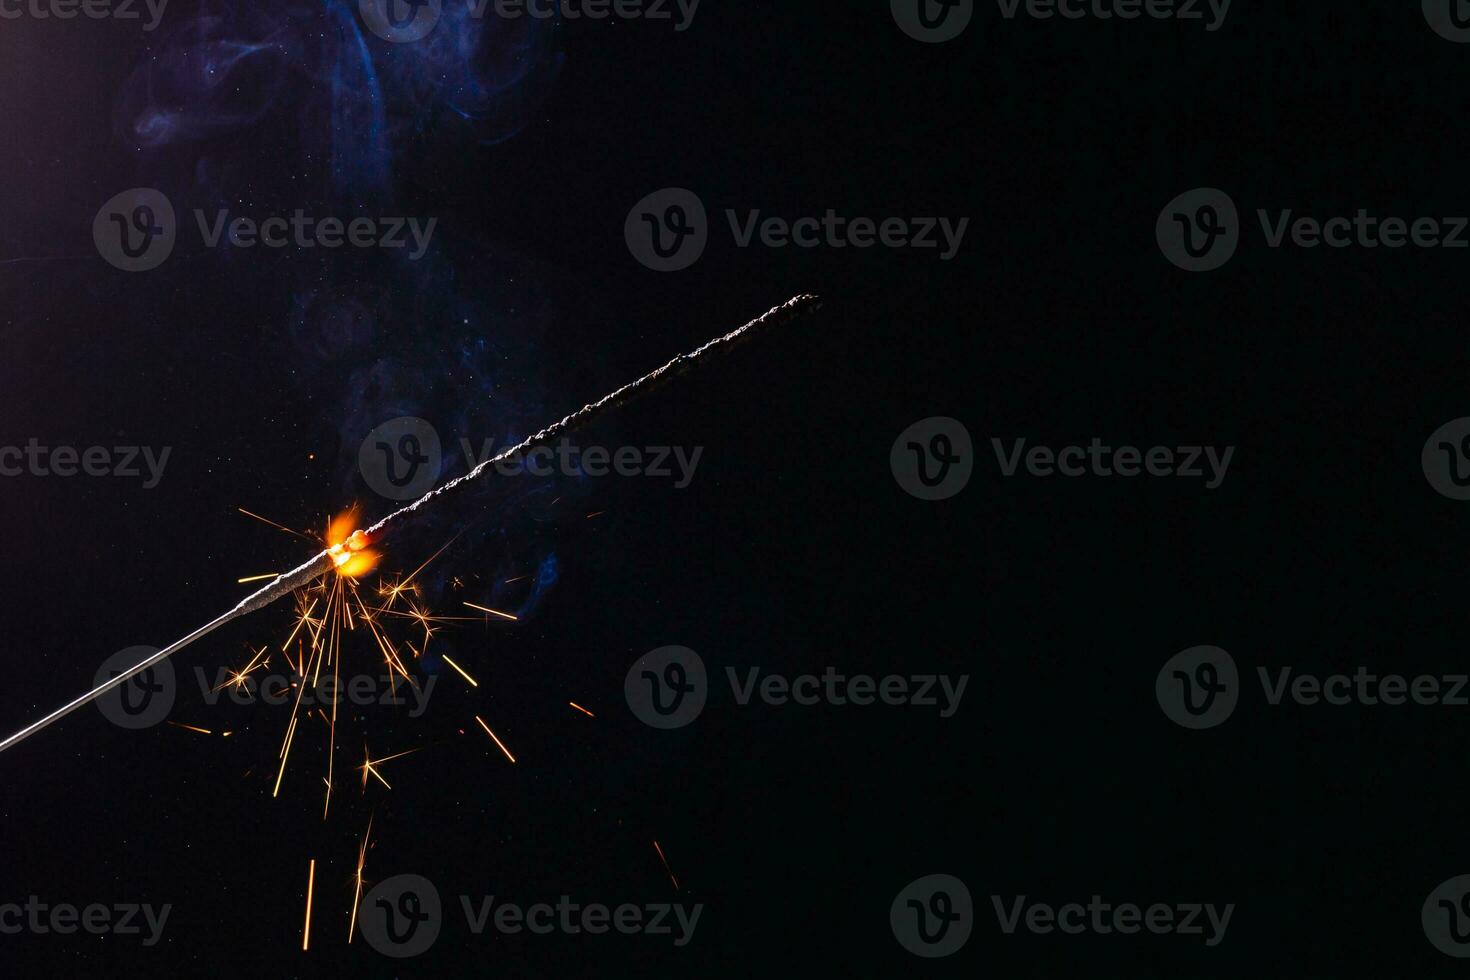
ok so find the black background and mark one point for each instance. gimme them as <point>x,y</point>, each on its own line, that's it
<point>794,548</point>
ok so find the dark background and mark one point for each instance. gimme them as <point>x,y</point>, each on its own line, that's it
<point>794,548</point>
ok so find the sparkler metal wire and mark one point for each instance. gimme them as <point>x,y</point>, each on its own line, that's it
<point>313,569</point>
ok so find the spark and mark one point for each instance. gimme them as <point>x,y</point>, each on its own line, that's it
<point>457,667</point>
<point>202,731</point>
<point>369,765</point>
<point>497,740</point>
<point>581,709</point>
<point>494,612</point>
<point>273,524</point>
<point>237,678</point>
<point>256,578</point>
<point>357,878</point>
<point>310,884</point>
<point>666,865</point>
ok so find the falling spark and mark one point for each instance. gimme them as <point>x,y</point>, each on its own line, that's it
<point>202,731</point>
<point>666,865</point>
<point>581,709</point>
<point>273,524</point>
<point>457,667</point>
<point>497,740</point>
<point>257,578</point>
<point>494,612</point>
<point>310,884</point>
<point>357,887</point>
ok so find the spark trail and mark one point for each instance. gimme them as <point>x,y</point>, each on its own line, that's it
<point>332,557</point>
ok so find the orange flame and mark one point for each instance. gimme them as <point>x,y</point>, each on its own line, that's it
<point>348,546</point>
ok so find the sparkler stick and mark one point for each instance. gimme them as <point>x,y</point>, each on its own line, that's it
<point>313,569</point>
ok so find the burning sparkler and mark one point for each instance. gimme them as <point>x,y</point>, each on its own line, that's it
<point>353,553</point>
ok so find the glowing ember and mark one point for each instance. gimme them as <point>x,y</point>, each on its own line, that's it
<point>348,546</point>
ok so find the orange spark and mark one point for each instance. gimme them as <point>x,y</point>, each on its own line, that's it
<point>497,740</point>
<point>272,523</point>
<point>357,893</point>
<point>494,612</point>
<point>581,709</point>
<point>310,884</point>
<point>666,865</point>
<point>473,682</point>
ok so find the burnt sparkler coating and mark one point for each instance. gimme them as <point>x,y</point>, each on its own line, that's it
<point>785,313</point>
<point>308,572</point>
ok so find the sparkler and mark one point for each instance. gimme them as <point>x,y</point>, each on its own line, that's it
<point>352,555</point>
